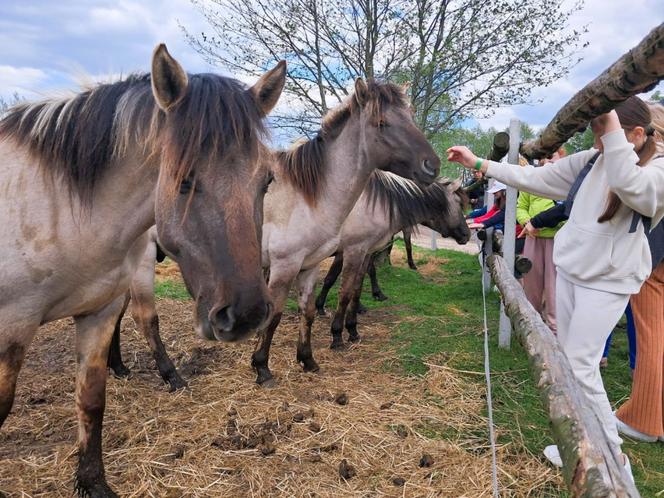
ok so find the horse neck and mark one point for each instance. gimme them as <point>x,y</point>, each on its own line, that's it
<point>348,171</point>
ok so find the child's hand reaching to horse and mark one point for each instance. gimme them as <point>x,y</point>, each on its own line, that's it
<point>464,156</point>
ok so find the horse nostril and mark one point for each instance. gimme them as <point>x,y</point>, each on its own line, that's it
<point>428,168</point>
<point>223,318</point>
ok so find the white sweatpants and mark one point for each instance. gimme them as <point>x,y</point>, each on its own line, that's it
<point>585,318</point>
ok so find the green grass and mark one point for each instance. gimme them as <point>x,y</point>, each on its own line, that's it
<point>171,289</point>
<point>450,328</point>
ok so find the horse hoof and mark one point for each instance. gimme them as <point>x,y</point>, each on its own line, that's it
<point>267,383</point>
<point>176,383</point>
<point>98,490</point>
<point>380,297</point>
<point>362,309</point>
<point>354,337</point>
<point>121,372</point>
<point>338,346</point>
<point>321,312</point>
<point>310,366</point>
<point>412,267</point>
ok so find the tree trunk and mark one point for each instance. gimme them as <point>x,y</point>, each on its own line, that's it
<point>638,71</point>
<point>591,467</point>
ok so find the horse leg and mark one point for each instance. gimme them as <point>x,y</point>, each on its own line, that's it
<point>328,282</point>
<point>351,266</point>
<point>407,233</point>
<point>279,288</point>
<point>13,346</point>
<point>145,315</point>
<point>351,315</point>
<point>306,282</point>
<point>115,362</point>
<point>93,338</point>
<point>376,291</point>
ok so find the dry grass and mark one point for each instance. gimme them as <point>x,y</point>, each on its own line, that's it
<point>225,436</point>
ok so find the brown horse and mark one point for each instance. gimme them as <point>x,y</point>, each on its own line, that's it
<point>84,178</point>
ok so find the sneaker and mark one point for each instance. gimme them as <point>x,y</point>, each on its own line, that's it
<point>632,433</point>
<point>553,455</point>
<point>628,468</point>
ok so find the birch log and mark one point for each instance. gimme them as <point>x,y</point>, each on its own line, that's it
<point>638,71</point>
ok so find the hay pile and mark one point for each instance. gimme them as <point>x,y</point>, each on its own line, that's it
<point>358,428</point>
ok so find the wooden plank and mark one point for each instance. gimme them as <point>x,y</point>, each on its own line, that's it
<point>590,466</point>
<point>638,71</point>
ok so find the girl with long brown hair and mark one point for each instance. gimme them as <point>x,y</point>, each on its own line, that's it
<point>601,254</point>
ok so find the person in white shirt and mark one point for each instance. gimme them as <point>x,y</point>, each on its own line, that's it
<point>601,254</point>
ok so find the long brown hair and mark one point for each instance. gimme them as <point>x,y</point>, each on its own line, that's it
<point>632,112</point>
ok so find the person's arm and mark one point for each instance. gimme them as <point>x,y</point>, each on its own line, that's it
<point>523,208</point>
<point>496,219</point>
<point>550,218</point>
<point>642,189</point>
<point>477,212</point>
<point>552,180</point>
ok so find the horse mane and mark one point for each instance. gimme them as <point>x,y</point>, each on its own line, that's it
<point>77,138</point>
<point>304,165</point>
<point>406,203</point>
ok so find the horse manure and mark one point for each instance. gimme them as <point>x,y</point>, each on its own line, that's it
<point>346,470</point>
<point>284,406</point>
<point>178,452</point>
<point>398,481</point>
<point>387,406</point>
<point>341,399</point>
<point>310,413</point>
<point>253,442</point>
<point>314,426</point>
<point>298,417</point>
<point>316,458</point>
<point>267,449</point>
<point>329,447</point>
<point>426,460</point>
<point>232,412</point>
<point>231,427</point>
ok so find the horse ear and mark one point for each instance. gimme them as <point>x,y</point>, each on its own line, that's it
<point>169,81</point>
<point>405,87</point>
<point>361,91</point>
<point>267,90</point>
<point>454,185</point>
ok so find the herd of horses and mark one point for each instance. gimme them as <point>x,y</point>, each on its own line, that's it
<point>94,185</point>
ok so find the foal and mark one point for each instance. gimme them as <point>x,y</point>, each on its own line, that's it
<point>84,178</point>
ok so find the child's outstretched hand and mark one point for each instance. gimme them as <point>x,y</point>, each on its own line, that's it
<point>462,155</point>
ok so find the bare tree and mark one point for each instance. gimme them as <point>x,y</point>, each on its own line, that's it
<point>462,57</point>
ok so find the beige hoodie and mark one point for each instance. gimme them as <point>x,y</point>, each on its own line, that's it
<point>601,256</point>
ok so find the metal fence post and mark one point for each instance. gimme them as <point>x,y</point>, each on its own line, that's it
<point>505,330</point>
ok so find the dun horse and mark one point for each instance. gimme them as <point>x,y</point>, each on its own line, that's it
<point>85,177</point>
<point>317,183</point>
<point>387,205</point>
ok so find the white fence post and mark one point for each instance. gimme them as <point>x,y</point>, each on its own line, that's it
<point>434,244</point>
<point>505,330</point>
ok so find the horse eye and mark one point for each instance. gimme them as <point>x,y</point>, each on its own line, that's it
<point>268,181</point>
<point>186,186</point>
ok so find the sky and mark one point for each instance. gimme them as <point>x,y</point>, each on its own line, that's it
<point>50,46</point>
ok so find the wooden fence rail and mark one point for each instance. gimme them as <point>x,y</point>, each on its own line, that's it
<point>590,467</point>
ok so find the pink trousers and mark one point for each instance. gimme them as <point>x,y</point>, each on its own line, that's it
<point>539,284</point>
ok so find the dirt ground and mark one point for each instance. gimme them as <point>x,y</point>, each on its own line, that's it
<point>388,434</point>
